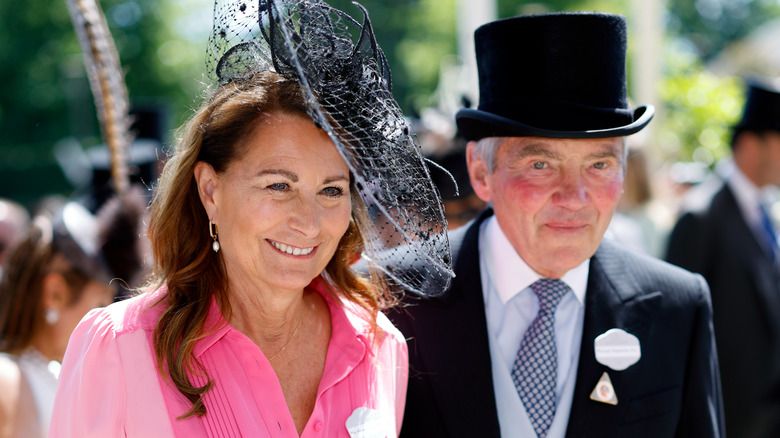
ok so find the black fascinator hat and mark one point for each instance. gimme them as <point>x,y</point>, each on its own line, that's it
<point>560,75</point>
<point>345,81</point>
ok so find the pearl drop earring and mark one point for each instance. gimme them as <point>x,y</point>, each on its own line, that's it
<point>52,316</point>
<point>214,235</point>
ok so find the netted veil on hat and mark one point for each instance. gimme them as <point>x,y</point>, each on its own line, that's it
<point>346,85</point>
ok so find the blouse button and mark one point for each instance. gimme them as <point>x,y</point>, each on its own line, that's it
<point>318,426</point>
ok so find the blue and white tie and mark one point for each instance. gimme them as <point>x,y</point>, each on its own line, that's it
<point>536,365</point>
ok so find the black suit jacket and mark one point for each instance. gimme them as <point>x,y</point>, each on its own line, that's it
<point>716,241</point>
<point>672,391</point>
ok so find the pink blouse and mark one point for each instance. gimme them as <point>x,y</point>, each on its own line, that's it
<point>110,387</point>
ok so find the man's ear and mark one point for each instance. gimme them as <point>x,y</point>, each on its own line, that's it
<point>478,172</point>
<point>207,182</point>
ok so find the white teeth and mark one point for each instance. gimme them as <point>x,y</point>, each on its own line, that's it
<point>291,250</point>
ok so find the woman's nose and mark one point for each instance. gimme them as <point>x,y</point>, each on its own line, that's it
<point>306,217</point>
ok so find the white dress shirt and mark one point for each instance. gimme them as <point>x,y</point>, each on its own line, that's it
<point>510,308</point>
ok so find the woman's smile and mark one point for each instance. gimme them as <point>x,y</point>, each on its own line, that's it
<point>291,250</point>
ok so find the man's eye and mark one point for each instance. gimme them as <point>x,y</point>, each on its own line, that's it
<point>540,165</point>
<point>600,165</point>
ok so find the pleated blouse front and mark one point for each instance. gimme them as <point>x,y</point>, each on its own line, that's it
<point>109,368</point>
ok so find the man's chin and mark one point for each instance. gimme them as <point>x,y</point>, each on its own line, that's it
<point>565,258</point>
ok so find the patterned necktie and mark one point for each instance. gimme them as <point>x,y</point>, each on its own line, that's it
<point>536,365</point>
<point>770,238</point>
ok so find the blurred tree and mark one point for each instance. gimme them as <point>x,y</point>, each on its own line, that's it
<point>33,103</point>
<point>45,95</point>
<point>700,108</point>
<point>712,24</point>
<point>415,35</point>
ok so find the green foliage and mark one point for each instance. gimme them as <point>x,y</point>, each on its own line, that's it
<point>432,37</point>
<point>414,35</point>
<point>510,8</point>
<point>33,105</point>
<point>711,24</point>
<point>45,95</point>
<point>700,108</point>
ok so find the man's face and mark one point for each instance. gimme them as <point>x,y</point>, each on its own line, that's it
<point>553,198</point>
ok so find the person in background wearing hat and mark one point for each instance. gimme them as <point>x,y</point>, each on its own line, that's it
<point>57,271</point>
<point>731,241</point>
<point>547,330</point>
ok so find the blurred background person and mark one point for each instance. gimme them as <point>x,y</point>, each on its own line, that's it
<point>643,219</point>
<point>14,221</point>
<point>731,240</point>
<point>631,225</point>
<point>54,275</point>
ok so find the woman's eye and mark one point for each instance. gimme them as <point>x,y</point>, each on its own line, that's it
<point>279,186</point>
<point>333,191</point>
<point>540,165</point>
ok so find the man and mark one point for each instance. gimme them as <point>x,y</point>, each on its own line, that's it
<point>546,330</point>
<point>730,240</point>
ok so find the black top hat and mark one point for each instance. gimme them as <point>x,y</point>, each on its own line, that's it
<point>762,108</point>
<point>560,75</point>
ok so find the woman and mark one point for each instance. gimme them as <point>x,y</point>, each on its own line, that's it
<point>54,275</point>
<point>257,326</point>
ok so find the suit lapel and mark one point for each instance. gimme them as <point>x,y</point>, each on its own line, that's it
<point>612,301</point>
<point>460,362</point>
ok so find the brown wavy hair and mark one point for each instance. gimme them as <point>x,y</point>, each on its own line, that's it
<point>21,289</point>
<point>180,240</point>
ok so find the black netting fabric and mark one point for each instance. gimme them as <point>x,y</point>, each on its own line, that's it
<point>346,81</point>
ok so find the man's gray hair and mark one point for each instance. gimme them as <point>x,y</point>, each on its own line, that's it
<point>486,148</point>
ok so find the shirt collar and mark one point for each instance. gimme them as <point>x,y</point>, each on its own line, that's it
<point>510,274</point>
<point>215,328</point>
<point>748,195</point>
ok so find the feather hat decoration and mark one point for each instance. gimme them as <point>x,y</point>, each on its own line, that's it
<point>107,83</point>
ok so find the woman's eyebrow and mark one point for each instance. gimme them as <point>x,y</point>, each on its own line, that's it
<point>336,178</point>
<point>286,173</point>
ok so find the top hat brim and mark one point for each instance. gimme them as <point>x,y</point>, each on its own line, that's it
<point>475,124</point>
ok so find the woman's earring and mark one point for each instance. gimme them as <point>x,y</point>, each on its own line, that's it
<point>52,316</point>
<point>214,235</point>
